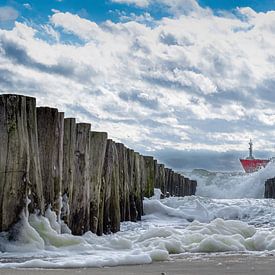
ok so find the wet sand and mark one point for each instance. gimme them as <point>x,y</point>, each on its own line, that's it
<point>212,265</point>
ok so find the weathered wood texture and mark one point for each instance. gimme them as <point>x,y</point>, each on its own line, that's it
<point>68,166</point>
<point>137,210</point>
<point>123,182</point>
<point>270,189</point>
<point>50,127</point>
<point>17,143</point>
<point>98,143</point>
<point>44,156</point>
<point>35,193</point>
<point>131,173</point>
<point>80,204</point>
<point>150,176</point>
<point>111,200</point>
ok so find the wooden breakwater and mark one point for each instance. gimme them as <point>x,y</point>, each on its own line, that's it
<point>270,189</point>
<point>90,181</point>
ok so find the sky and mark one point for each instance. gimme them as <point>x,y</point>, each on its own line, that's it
<point>189,82</point>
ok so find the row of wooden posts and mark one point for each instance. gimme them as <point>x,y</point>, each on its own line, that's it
<point>90,181</point>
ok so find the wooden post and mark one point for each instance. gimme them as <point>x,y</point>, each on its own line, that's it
<point>138,197</point>
<point>35,193</point>
<point>123,182</point>
<point>161,178</point>
<point>20,174</point>
<point>131,173</point>
<point>193,187</point>
<point>68,166</point>
<point>50,126</point>
<point>79,214</point>
<point>98,143</point>
<point>111,206</point>
<point>143,180</point>
<point>150,176</point>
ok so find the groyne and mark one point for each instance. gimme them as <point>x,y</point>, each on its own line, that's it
<point>270,189</point>
<point>89,181</point>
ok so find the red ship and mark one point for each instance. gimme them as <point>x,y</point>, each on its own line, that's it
<point>250,164</point>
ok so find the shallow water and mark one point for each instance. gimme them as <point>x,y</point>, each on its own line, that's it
<point>228,215</point>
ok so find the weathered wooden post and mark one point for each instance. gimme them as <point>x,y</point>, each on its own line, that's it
<point>132,183</point>
<point>161,177</point>
<point>68,166</point>
<point>171,182</point>
<point>176,188</point>
<point>50,127</point>
<point>167,175</point>
<point>138,186</point>
<point>35,178</point>
<point>123,182</point>
<point>98,143</point>
<point>18,155</point>
<point>143,179</point>
<point>150,176</point>
<point>80,204</point>
<point>178,184</point>
<point>115,196</point>
<point>270,188</point>
<point>181,186</point>
<point>193,187</point>
<point>267,189</point>
<point>188,187</point>
<point>157,179</point>
<point>111,199</point>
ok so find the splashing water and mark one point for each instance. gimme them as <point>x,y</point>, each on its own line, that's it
<point>228,214</point>
<point>232,185</point>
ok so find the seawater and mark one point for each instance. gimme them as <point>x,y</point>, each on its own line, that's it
<point>228,214</point>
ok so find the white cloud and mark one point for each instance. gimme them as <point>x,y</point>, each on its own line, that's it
<point>138,3</point>
<point>192,81</point>
<point>55,10</point>
<point>176,7</point>
<point>8,14</point>
<point>27,6</point>
<point>84,28</point>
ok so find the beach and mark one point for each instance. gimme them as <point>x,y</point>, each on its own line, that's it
<point>206,265</point>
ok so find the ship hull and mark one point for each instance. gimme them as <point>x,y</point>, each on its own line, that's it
<point>253,165</point>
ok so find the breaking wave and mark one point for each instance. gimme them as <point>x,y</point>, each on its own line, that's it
<point>232,185</point>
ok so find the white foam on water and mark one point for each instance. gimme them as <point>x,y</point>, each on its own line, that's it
<point>173,225</point>
<point>133,247</point>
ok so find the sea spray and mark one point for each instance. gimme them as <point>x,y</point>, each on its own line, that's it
<point>232,185</point>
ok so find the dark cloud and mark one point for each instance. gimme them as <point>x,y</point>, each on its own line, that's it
<point>12,83</point>
<point>19,55</point>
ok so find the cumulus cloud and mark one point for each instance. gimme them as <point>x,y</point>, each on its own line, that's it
<point>193,81</point>
<point>8,14</point>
